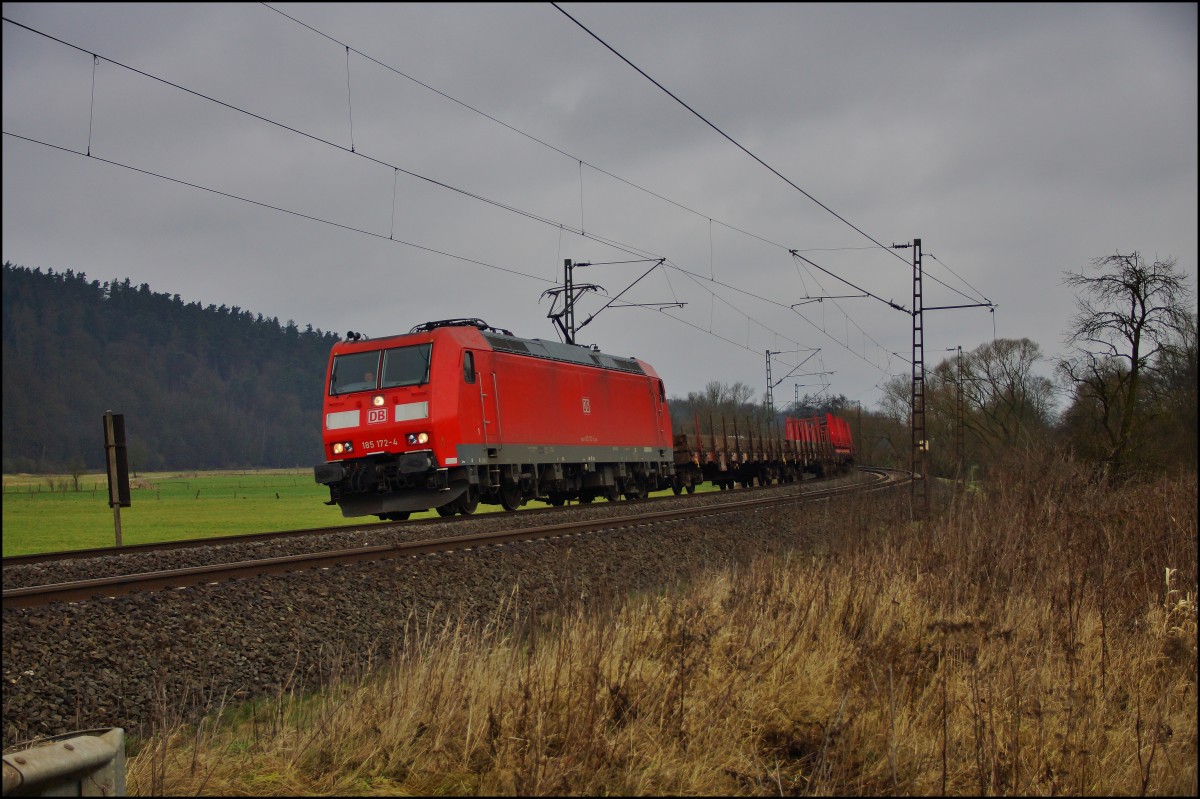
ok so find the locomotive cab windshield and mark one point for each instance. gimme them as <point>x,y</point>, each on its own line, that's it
<point>401,366</point>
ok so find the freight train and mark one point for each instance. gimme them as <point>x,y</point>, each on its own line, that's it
<point>456,412</point>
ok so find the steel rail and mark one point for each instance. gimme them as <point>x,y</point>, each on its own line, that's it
<point>250,538</point>
<point>41,595</point>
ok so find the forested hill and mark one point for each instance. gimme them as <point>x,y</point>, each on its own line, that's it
<point>200,388</point>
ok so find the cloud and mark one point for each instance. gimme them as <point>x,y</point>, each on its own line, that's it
<point>1016,141</point>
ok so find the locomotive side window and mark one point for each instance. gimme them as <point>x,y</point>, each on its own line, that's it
<point>406,366</point>
<point>468,367</point>
<point>355,372</point>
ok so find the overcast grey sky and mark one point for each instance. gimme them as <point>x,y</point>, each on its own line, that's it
<point>1016,141</point>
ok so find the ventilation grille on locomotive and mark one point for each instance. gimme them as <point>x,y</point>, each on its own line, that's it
<point>570,353</point>
<point>508,345</point>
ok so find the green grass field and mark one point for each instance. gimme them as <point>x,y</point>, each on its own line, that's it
<point>44,513</point>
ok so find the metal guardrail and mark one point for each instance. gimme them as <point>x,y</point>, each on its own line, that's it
<point>86,763</point>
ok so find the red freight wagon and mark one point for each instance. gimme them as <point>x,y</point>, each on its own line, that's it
<point>455,413</point>
<point>839,435</point>
<point>824,441</point>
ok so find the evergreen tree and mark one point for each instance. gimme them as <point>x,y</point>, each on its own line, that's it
<point>200,388</point>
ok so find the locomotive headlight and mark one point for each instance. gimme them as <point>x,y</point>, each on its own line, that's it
<point>341,447</point>
<point>417,438</point>
<point>337,448</point>
<point>377,400</point>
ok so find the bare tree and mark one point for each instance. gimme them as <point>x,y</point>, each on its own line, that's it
<point>76,468</point>
<point>715,401</point>
<point>1128,311</point>
<point>1006,402</point>
<point>1172,392</point>
<point>896,400</point>
<point>730,395</point>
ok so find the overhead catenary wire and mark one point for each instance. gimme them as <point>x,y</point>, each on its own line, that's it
<point>433,181</point>
<point>583,162</point>
<point>898,307</point>
<point>960,277</point>
<point>353,229</point>
<point>843,311</point>
<point>271,207</point>
<point>601,239</point>
<point>297,131</point>
<point>630,249</point>
<point>737,144</point>
<point>727,136</point>
<point>349,102</point>
<point>519,132</point>
<point>432,250</point>
<point>696,278</point>
<point>92,102</point>
<point>349,228</point>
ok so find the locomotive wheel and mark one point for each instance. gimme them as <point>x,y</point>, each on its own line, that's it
<point>612,493</point>
<point>677,489</point>
<point>510,496</point>
<point>396,516</point>
<point>448,509</point>
<point>586,498</point>
<point>468,502</point>
<point>691,488</point>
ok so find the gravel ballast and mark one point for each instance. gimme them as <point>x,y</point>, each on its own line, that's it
<point>131,660</point>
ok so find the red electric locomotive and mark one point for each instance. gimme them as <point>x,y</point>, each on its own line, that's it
<point>456,413</point>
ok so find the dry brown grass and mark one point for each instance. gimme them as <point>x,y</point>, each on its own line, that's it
<point>1038,638</point>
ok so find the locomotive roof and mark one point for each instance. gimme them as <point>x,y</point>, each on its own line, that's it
<point>557,351</point>
<point>505,341</point>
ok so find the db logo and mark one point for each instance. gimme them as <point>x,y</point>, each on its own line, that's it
<point>587,406</point>
<point>376,415</point>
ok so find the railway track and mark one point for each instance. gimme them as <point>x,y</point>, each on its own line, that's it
<point>134,660</point>
<point>251,538</point>
<point>82,590</point>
